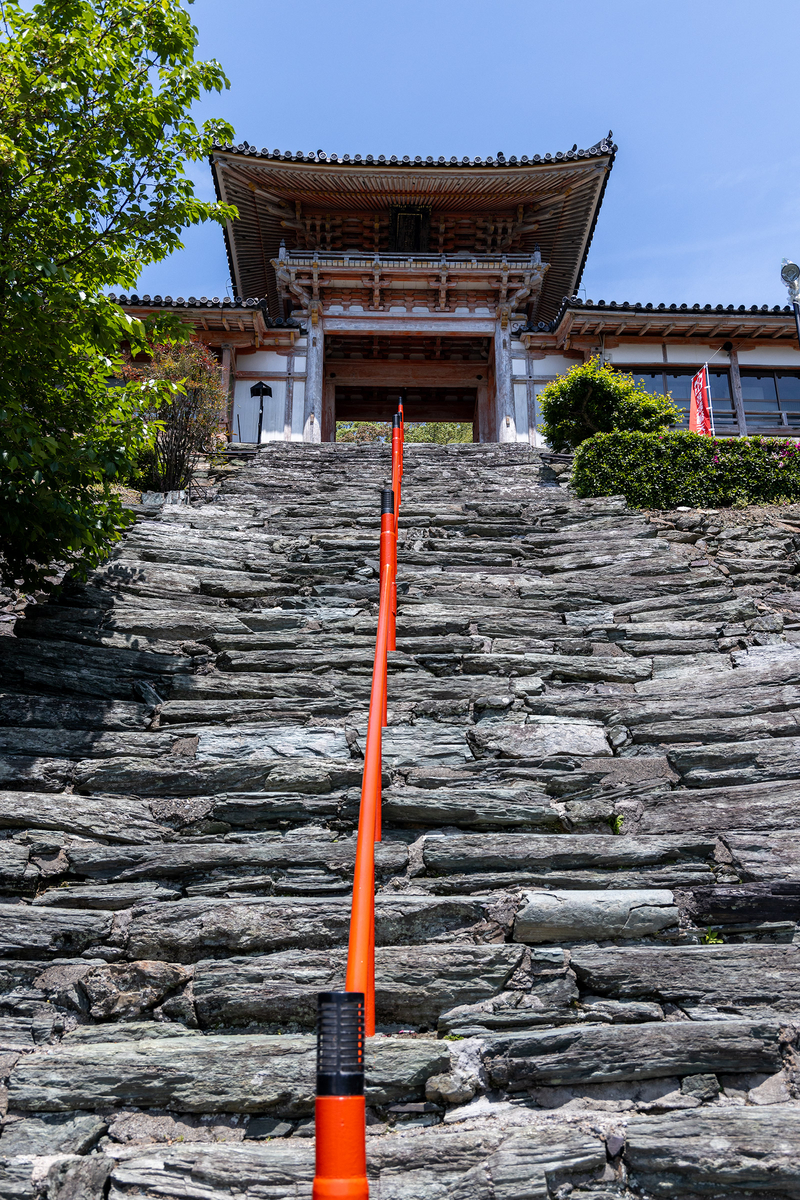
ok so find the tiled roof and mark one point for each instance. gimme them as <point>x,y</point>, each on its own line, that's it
<point>604,146</point>
<point>226,304</point>
<point>567,186</point>
<point>575,302</point>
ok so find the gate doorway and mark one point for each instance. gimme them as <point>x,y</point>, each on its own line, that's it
<point>353,403</point>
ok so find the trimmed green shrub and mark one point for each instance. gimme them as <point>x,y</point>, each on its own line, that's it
<point>663,470</point>
<point>594,398</point>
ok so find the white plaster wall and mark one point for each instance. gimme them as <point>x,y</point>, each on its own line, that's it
<point>697,354</point>
<point>245,412</point>
<point>264,360</point>
<point>521,411</point>
<point>274,405</point>
<point>518,366</point>
<point>299,364</point>
<point>770,356</point>
<point>553,364</point>
<point>635,352</point>
<point>298,408</point>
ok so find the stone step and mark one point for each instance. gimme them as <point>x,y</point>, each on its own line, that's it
<point>588,878</point>
<point>212,1074</point>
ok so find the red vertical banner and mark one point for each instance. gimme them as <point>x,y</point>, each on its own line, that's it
<point>700,417</point>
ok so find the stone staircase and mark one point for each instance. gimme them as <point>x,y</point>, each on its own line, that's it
<point>589,883</point>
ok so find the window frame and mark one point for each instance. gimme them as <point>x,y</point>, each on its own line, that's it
<point>686,369</point>
<point>760,419</point>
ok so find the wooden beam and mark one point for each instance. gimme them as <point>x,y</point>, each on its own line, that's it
<point>736,388</point>
<point>391,373</point>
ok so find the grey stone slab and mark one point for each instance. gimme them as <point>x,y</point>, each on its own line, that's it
<point>272,741</point>
<point>525,852</point>
<point>177,776</point>
<point>79,1178</point>
<point>13,861</point>
<point>718,729</point>
<point>756,807</point>
<point>125,1031</point>
<point>51,1133</point>
<point>413,984</point>
<point>273,810</point>
<point>110,897</point>
<point>541,738</point>
<point>239,685</point>
<point>742,903</point>
<point>607,1053</point>
<point>77,743</point>
<point>729,1151</point>
<point>737,763</point>
<point>765,857</point>
<point>187,930</point>
<point>15,1178</point>
<point>482,807</point>
<point>16,1033</point>
<point>555,916</point>
<point>489,1163</point>
<point>723,976</point>
<point>424,741</point>
<point>186,863</point>
<point>55,712</point>
<point>21,771</point>
<point>26,932</point>
<point>253,1074</point>
<point>595,669</point>
<point>115,819</point>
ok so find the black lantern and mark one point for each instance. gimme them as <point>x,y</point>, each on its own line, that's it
<point>261,390</point>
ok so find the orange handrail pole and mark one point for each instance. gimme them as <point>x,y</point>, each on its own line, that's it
<point>361,949</point>
<point>388,557</point>
<point>341,1135</point>
<point>397,442</point>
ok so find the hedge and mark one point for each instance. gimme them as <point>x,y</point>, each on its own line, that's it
<point>663,470</point>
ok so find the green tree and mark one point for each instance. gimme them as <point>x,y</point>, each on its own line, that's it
<point>95,97</point>
<point>190,422</point>
<point>441,433</point>
<point>594,398</point>
<point>363,431</point>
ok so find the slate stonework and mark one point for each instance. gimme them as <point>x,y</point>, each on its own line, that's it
<point>588,887</point>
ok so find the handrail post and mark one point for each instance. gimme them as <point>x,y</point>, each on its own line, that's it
<point>340,1124</point>
<point>388,558</point>
<point>346,1018</point>
<point>397,443</point>
<point>361,950</point>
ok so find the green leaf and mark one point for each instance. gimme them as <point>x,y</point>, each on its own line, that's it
<point>97,128</point>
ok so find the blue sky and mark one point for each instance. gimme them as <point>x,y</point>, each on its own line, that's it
<point>702,97</point>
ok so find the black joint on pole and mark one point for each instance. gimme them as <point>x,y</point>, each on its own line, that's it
<point>387,501</point>
<point>397,421</point>
<point>340,1044</point>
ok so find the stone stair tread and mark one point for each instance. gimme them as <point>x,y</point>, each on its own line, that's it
<point>588,880</point>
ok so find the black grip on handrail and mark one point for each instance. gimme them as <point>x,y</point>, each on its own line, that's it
<point>340,1044</point>
<point>387,501</point>
<point>397,421</point>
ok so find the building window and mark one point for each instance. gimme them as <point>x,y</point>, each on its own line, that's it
<point>678,384</point>
<point>410,228</point>
<point>771,398</point>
